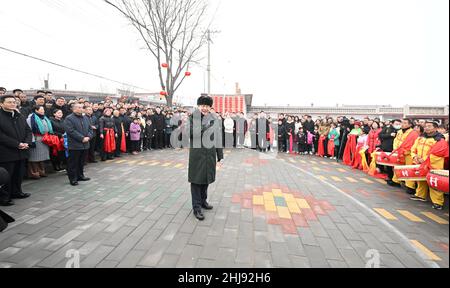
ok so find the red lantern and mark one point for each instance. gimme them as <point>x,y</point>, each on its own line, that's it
<point>187,74</point>
<point>165,65</point>
<point>163,93</point>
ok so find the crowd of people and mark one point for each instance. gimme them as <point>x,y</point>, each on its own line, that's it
<point>70,134</point>
<point>357,144</point>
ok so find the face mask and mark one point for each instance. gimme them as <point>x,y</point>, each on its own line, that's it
<point>398,127</point>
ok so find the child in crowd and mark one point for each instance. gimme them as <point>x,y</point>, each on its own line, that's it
<point>135,136</point>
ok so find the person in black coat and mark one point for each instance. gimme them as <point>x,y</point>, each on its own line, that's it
<point>262,129</point>
<point>15,142</point>
<point>59,130</point>
<point>106,125</point>
<point>93,143</point>
<point>79,134</point>
<point>281,136</point>
<point>387,136</point>
<point>203,160</point>
<point>5,219</point>
<point>149,133</point>
<point>159,123</point>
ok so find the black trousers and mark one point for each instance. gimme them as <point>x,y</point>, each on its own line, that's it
<point>118,144</point>
<point>390,172</point>
<point>16,171</point>
<point>91,152</point>
<point>75,164</point>
<point>199,196</point>
<point>159,139</point>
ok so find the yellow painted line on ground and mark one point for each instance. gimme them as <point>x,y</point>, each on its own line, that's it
<point>258,200</point>
<point>120,161</point>
<point>426,251</point>
<point>381,181</point>
<point>367,181</point>
<point>342,170</point>
<point>317,169</point>
<point>155,163</point>
<point>324,163</point>
<point>131,162</point>
<point>351,180</point>
<point>435,218</point>
<point>410,216</point>
<point>322,177</point>
<point>386,214</point>
<point>179,165</point>
<point>337,179</point>
<point>303,162</point>
<point>292,161</point>
<point>167,164</point>
<point>303,204</point>
<point>143,163</point>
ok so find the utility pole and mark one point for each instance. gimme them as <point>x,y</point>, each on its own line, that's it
<point>209,32</point>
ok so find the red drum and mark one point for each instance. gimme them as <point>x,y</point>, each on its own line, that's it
<point>410,173</point>
<point>438,180</point>
<point>387,159</point>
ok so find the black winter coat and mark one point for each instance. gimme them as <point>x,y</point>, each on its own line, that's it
<point>387,140</point>
<point>13,131</point>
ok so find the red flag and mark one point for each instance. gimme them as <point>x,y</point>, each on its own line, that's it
<point>123,144</point>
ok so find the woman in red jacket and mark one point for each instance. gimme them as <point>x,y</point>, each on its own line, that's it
<point>373,140</point>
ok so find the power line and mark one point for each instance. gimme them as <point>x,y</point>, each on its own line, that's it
<point>72,69</point>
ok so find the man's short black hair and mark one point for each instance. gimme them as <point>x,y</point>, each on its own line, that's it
<point>40,91</point>
<point>17,91</point>
<point>3,98</point>
<point>3,89</point>
<point>48,92</point>
<point>410,121</point>
<point>38,97</point>
<point>396,120</point>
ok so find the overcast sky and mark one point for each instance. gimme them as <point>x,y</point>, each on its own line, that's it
<point>294,52</point>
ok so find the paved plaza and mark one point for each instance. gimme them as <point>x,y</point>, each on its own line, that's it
<point>271,210</point>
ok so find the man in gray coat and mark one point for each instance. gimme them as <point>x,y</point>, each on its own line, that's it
<point>79,134</point>
<point>205,151</point>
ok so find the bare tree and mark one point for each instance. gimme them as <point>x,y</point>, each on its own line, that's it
<point>172,31</point>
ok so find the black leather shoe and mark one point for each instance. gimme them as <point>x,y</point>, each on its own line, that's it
<point>206,206</point>
<point>393,184</point>
<point>74,183</point>
<point>199,215</point>
<point>84,179</point>
<point>410,191</point>
<point>21,196</point>
<point>6,203</point>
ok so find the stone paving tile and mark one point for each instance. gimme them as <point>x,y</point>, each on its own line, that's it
<point>142,222</point>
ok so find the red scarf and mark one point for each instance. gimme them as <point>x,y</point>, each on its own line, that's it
<point>109,144</point>
<point>350,150</point>
<point>440,149</point>
<point>54,143</point>
<point>407,145</point>
<point>321,148</point>
<point>331,147</point>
